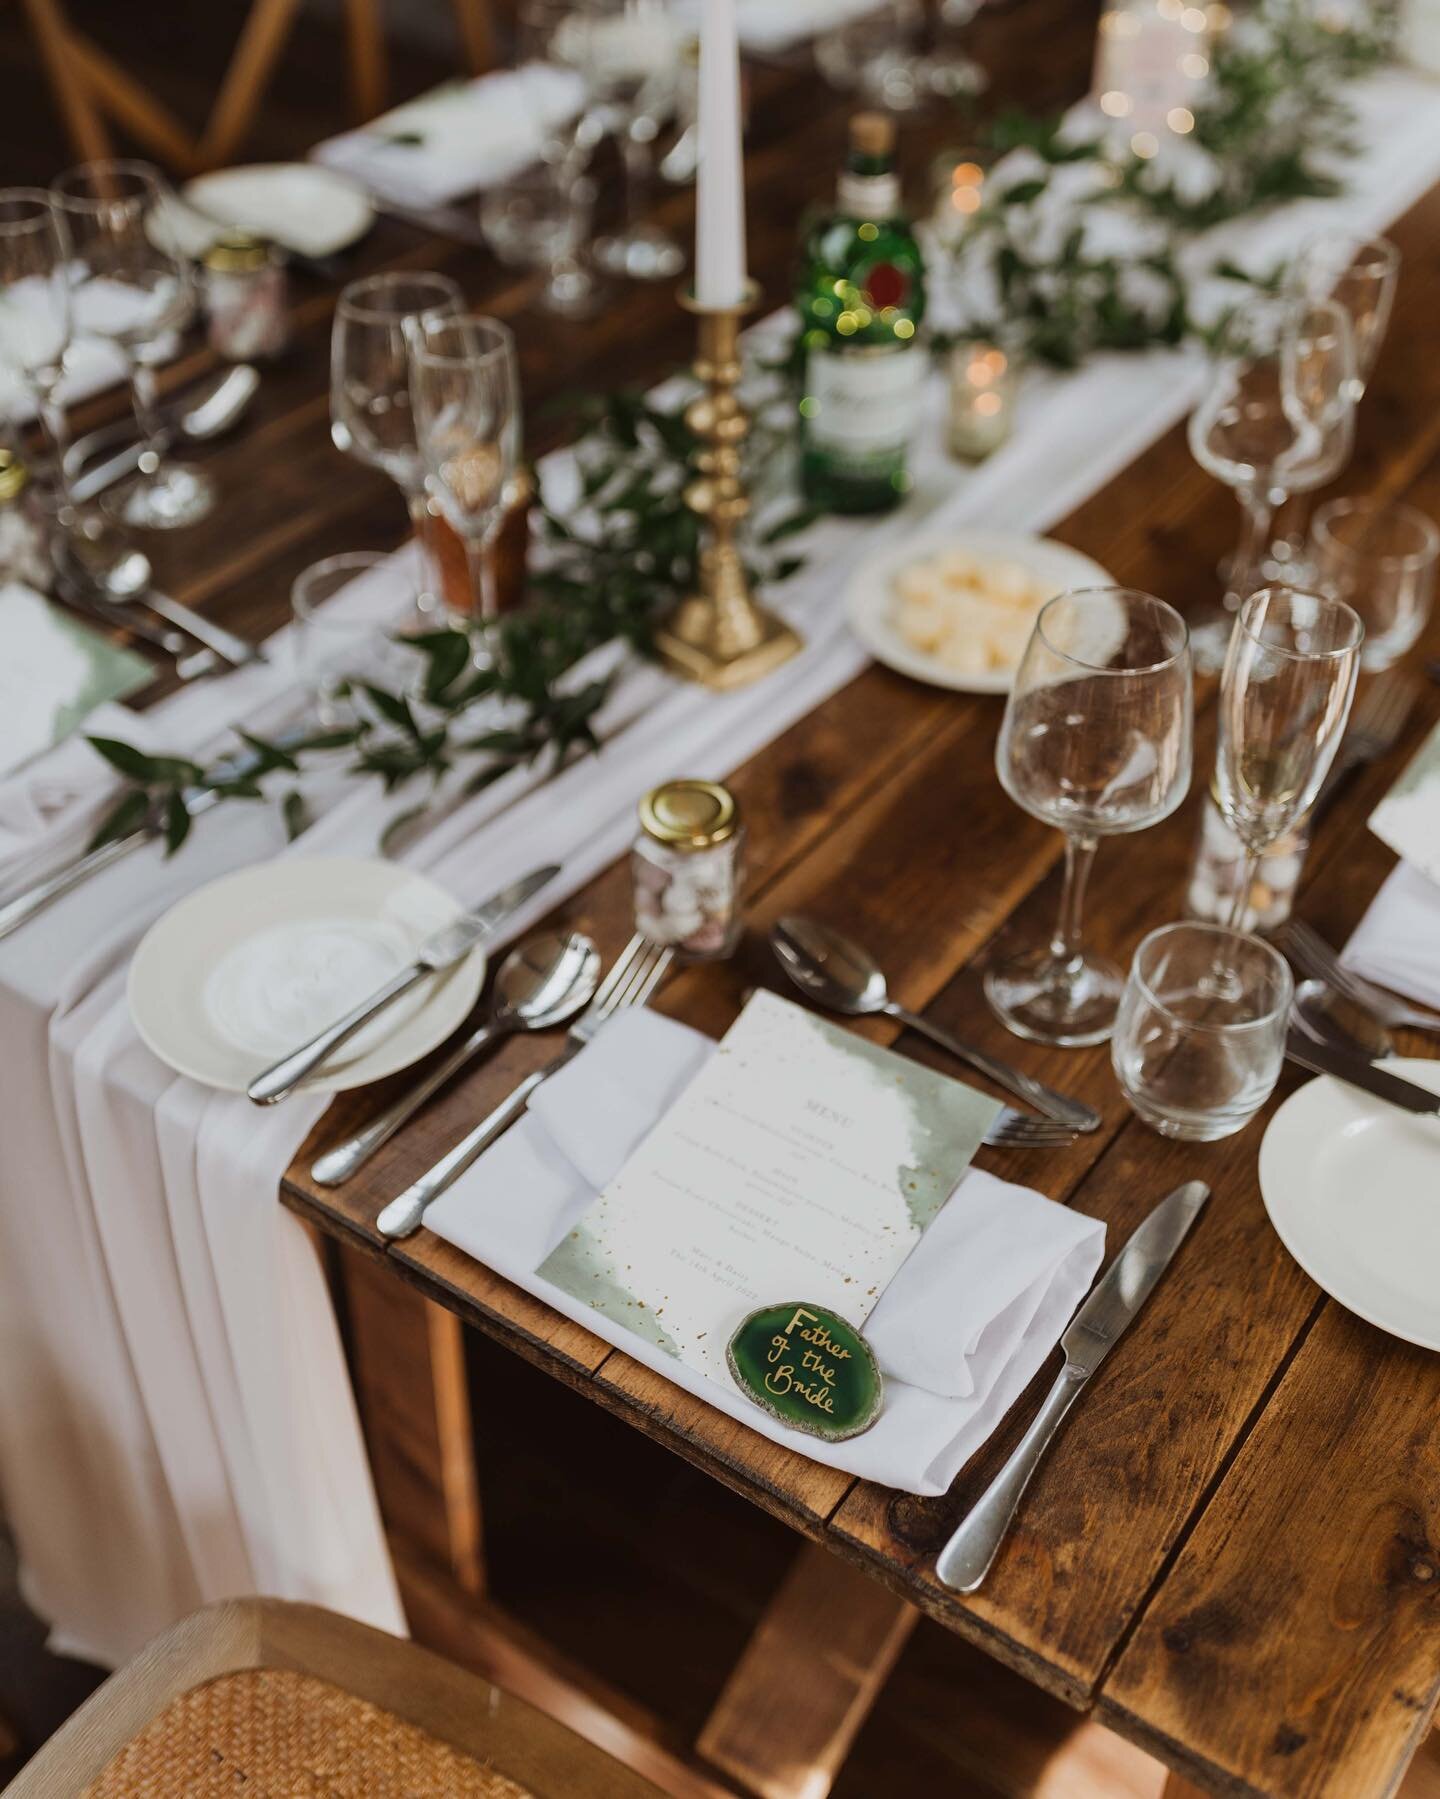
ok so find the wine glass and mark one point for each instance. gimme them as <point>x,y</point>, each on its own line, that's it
<point>628,52</point>
<point>35,309</point>
<point>539,219</point>
<point>370,409</point>
<point>1278,418</point>
<point>1381,560</point>
<point>465,391</point>
<point>1096,740</point>
<point>128,284</point>
<point>1285,697</point>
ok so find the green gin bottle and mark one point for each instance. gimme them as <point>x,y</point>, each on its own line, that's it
<point>861,299</point>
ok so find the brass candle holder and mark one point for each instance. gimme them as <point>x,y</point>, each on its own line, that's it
<point>721,636</point>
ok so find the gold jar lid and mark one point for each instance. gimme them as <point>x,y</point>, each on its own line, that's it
<point>689,815</point>
<point>237,253</point>
<point>13,476</point>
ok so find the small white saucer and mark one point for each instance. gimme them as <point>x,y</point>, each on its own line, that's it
<point>245,970</point>
<point>1352,1186</point>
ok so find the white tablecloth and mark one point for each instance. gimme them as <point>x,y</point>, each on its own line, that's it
<point>175,1421</point>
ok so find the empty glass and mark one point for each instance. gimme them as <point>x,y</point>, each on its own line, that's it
<point>1360,273</point>
<point>628,52</point>
<point>35,308</point>
<point>877,55</point>
<point>1096,740</point>
<point>465,390</point>
<point>540,219</point>
<point>1285,697</point>
<point>1381,560</point>
<point>129,285</point>
<point>1197,1059</point>
<point>1277,419</point>
<point>346,621</point>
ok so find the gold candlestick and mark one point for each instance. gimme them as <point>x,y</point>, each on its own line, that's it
<point>721,636</point>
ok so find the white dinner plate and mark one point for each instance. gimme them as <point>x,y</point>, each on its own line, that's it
<point>298,205</point>
<point>1352,1186</point>
<point>870,598</point>
<point>245,970</point>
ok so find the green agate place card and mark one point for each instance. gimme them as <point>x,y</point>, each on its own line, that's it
<point>809,1369</point>
<point>801,1159</point>
<point>1408,818</point>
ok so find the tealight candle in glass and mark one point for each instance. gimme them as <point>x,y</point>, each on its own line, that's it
<point>982,399</point>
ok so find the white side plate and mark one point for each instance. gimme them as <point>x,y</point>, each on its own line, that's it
<point>1352,1186</point>
<point>297,205</point>
<point>870,599</point>
<point>206,998</point>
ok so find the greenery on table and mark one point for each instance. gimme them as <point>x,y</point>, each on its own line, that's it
<point>1079,245</point>
<point>1272,125</point>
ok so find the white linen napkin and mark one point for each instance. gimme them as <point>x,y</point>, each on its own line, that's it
<point>472,134</point>
<point>1397,942</point>
<point>961,1329</point>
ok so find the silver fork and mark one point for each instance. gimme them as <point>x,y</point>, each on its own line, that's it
<point>1314,956</point>
<point>1018,1130</point>
<point>635,976</point>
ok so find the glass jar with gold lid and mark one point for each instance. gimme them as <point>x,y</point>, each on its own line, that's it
<point>688,868</point>
<point>246,296</point>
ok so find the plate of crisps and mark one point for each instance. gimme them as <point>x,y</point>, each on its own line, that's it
<point>955,608</point>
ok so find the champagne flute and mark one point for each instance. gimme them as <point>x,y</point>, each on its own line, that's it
<point>35,309</point>
<point>465,393</point>
<point>629,54</point>
<point>1285,696</point>
<point>1278,418</point>
<point>1096,740</point>
<point>129,285</point>
<point>370,409</point>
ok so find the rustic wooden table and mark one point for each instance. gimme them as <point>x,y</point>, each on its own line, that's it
<point>1233,1553</point>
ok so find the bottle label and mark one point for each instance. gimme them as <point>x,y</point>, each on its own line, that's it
<point>861,404</point>
<point>868,196</point>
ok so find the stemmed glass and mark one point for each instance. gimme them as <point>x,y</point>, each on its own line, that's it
<point>540,219</point>
<point>128,285</point>
<point>1096,740</point>
<point>465,391</point>
<point>35,308</point>
<point>1285,697</point>
<point>370,409</point>
<point>628,52</point>
<point>1278,418</point>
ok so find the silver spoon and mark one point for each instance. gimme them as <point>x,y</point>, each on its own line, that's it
<point>96,555</point>
<point>207,410</point>
<point>539,985</point>
<point>1324,1013</point>
<point>837,973</point>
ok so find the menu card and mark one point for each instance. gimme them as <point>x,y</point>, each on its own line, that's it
<point>1408,818</point>
<point>802,1163</point>
<point>53,673</point>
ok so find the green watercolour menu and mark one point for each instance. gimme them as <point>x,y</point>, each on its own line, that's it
<point>802,1160</point>
<point>54,671</point>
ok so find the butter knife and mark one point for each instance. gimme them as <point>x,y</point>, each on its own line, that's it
<point>440,950</point>
<point>1371,1077</point>
<point>1114,1300</point>
<point>196,800</point>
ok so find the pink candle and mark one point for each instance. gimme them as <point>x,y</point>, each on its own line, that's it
<point>720,179</point>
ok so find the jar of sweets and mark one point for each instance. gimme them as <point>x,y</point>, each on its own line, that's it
<point>1219,867</point>
<point>687,867</point>
<point>245,298</point>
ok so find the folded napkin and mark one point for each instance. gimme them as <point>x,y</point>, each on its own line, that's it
<point>959,1332</point>
<point>1397,942</point>
<point>459,137</point>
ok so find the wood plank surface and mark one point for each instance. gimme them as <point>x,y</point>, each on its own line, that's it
<point>1250,1457</point>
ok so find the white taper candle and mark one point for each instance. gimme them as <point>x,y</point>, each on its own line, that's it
<point>720,178</point>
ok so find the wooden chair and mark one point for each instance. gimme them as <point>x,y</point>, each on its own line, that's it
<point>92,90</point>
<point>253,1678</point>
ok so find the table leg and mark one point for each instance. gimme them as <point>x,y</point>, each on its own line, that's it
<point>819,1657</point>
<point>408,1358</point>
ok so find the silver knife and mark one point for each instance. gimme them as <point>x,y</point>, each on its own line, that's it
<point>196,800</point>
<point>1356,1071</point>
<point>1114,1300</point>
<point>441,950</point>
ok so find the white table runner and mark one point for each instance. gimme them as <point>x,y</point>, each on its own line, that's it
<point>176,1423</point>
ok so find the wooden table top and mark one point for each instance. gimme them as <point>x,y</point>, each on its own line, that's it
<point>1233,1551</point>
